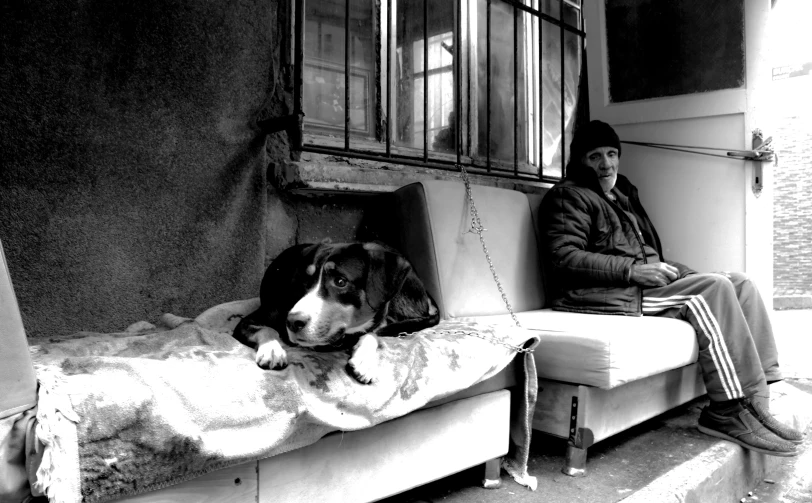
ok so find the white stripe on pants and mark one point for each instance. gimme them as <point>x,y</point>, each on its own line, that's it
<point>732,362</point>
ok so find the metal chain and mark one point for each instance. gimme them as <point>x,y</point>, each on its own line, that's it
<point>476,224</point>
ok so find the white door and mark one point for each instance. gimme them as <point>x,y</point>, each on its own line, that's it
<point>704,207</point>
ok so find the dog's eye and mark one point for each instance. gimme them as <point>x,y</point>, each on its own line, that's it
<point>340,282</point>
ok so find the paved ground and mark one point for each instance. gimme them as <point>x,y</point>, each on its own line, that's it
<point>641,457</point>
<point>793,334</point>
<point>790,481</point>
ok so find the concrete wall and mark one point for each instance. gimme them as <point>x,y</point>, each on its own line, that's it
<point>132,182</point>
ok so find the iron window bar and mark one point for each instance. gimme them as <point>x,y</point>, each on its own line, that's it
<point>563,90</point>
<point>515,90</point>
<point>389,79</point>
<point>425,80</point>
<point>298,65</point>
<point>518,7</point>
<point>488,88</point>
<point>346,75</point>
<point>458,55</point>
<point>540,118</point>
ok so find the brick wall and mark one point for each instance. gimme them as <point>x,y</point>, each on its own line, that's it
<point>793,208</point>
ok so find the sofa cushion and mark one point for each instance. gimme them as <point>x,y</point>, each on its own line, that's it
<point>604,350</point>
<point>436,235</point>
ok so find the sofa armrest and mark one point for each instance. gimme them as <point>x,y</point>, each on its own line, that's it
<point>18,395</point>
<point>17,378</point>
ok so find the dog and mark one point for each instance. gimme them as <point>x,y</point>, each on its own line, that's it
<point>331,297</point>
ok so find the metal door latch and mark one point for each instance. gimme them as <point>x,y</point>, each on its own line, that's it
<point>764,153</point>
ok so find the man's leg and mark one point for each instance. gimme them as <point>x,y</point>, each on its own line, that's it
<point>729,359</point>
<point>758,320</point>
<point>727,353</point>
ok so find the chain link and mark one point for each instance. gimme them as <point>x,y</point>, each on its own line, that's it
<point>476,225</point>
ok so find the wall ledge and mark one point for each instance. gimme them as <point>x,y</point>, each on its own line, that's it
<point>782,302</point>
<point>320,174</point>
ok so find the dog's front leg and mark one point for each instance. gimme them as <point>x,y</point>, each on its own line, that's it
<point>270,353</point>
<point>363,364</point>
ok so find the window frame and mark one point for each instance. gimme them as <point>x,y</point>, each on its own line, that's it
<point>381,147</point>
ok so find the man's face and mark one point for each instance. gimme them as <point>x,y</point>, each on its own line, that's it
<point>604,161</point>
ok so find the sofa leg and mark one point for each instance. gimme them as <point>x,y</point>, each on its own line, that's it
<point>575,461</point>
<point>579,440</point>
<point>492,479</point>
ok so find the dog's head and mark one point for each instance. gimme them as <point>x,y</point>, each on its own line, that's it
<point>352,286</point>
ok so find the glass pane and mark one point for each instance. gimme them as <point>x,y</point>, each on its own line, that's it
<point>425,119</point>
<point>323,72</point>
<point>532,57</point>
<point>362,67</point>
<point>572,15</point>
<point>551,8</point>
<point>323,75</point>
<point>572,76</point>
<point>551,99</point>
<point>496,101</point>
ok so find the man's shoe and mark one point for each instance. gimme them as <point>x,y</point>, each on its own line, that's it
<point>774,425</point>
<point>740,426</point>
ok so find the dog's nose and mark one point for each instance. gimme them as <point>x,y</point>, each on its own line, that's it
<point>297,321</point>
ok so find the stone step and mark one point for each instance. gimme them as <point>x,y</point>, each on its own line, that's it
<point>664,459</point>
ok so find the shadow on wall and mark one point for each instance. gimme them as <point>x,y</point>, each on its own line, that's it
<point>132,184</point>
<point>293,219</point>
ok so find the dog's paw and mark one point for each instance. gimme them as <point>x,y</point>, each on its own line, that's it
<point>271,355</point>
<point>363,364</point>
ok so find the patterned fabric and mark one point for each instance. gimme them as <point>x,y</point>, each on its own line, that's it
<point>126,413</point>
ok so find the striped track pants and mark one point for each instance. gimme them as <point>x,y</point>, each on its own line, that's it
<point>737,351</point>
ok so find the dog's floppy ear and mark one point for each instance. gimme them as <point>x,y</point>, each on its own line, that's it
<point>322,251</point>
<point>385,275</point>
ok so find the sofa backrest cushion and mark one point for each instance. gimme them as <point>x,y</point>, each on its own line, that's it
<point>435,233</point>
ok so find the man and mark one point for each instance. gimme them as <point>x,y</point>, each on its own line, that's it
<point>605,257</point>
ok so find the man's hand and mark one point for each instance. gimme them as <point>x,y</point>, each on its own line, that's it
<point>656,274</point>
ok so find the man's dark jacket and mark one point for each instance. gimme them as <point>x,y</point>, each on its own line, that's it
<point>590,244</point>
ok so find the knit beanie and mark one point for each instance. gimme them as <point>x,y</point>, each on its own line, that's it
<point>590,136</point>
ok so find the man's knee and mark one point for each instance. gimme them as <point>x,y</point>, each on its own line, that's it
<point>740,280</point>
<point>719,282</point>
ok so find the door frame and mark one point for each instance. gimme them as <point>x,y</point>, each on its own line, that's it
<point>746,101</point>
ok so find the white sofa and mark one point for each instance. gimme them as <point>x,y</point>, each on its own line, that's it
<point>597,374</point>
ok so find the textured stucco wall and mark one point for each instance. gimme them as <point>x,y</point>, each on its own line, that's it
<point>793,207</point>
<point>132,183</point>
<point>132,179</point>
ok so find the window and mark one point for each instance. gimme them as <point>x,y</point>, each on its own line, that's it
<point>490,84</point>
